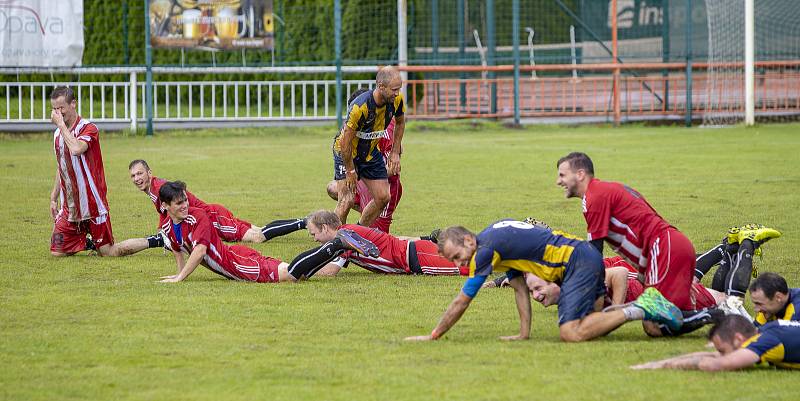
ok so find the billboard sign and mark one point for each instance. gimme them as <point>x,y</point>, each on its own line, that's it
<point>41,33</point>
<point>211,24</point>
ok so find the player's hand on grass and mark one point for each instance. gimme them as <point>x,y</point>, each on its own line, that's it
<point>419,338</point>
<point>170,279</point>
<point>517,337</point>
<point>649,365</point>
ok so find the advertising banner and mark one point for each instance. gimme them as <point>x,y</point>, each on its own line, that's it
<point>211,24</point>
<point>41,33</point>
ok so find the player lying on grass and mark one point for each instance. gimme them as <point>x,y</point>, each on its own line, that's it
<point>741,345</point>
<point>362,195</point>
<point>518,248</point>
<point>773,299</point>
<point>228,227</point>
<point>189,230</point>
<point>396,255</point>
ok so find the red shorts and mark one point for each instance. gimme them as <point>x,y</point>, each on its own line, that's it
<point>703,298</point>
<point>229,228</point>
<point>671,268</point>
<point>242,259</point>
<point>430,262</point>
<point>70,237</point>
<point>363,197</point>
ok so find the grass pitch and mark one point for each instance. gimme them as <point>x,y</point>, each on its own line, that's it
<point>90,328</point>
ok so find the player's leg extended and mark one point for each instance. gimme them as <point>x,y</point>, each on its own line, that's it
<point>379,189</point>
<point>706,261</point>
<point>274,229</point>
<point>312,261</point>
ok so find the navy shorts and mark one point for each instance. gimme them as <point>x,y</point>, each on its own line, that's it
<point>375,169</point>
<point>584,282</point>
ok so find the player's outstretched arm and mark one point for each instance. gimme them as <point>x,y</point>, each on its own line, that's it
<point>194,260</point>
<point>739,359</point>
<point>450,317</point>
<point>687,361</point>
<point>523,298</point>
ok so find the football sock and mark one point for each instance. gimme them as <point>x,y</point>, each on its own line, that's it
<point>89,245</point>
<point>155,241</point>
<point>738,278</point>
<point>282,227</point>
<point>310,262</point>
<point>633,312</point>
<point>704,262</point>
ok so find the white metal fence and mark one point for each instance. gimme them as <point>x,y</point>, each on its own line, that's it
<point>122,100</point>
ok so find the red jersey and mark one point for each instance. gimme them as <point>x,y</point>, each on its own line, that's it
<point>393,256</point>
<point>622,217</point>
<point>155,186</point>
<point>82,177</point>
<point>197,229</point>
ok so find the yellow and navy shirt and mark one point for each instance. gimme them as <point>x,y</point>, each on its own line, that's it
<point>790,312</point>
<point>777,343</point>
<point>514,245</point>
<point>369,121</point>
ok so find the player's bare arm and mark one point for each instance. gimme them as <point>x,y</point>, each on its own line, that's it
<point>450,317</point>
<point>347,158</point>
<point>54,195</point>
<point>194,260</point>
<point>523,298</point>
<point>394,157</point>
<point>75,146</point>
<point>617,281</point>
<point>735,360</point>
<point>687,361</point>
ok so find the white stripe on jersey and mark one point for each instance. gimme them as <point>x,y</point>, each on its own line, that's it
<point>213,265</point>
<point>379,264</point>
<point>101,208</point>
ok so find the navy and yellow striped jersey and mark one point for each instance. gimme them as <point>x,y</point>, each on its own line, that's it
<point>514,245</point>
<point>777,343</point>
<point>790,312</point>
<point>369,121</point>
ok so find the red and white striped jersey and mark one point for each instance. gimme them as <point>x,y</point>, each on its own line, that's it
<point>393,256</point>
<point>155,186</point>
<point>621,216</point>
<point>82,178</point>
<point>197,229</point>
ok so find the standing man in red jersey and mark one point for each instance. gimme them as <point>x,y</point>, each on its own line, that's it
<point>80,187</point>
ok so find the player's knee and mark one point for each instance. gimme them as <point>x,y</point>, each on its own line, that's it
<point>571,332</point>
<point>382,198</point>
<point>59,254</point>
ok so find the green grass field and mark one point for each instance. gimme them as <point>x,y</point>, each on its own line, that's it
<point>89,328</point>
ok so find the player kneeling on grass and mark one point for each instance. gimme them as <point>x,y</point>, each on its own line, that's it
<point>740,345</point>
<point>517,248</point>
<point>189,230</point>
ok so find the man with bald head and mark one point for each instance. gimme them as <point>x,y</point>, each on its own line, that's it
<point>356,154</point>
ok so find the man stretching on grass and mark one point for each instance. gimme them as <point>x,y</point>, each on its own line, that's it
<point>395,255</point>
<point>189,230</point>
<point>228,227</point>
<point>741,345</point>
<point>519,247</point>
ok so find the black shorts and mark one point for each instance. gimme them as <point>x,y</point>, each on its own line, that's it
<point>584,282</point>
<point>374,169</point>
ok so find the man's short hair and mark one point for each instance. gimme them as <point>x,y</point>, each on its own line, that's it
<point>172,191</point>
<point>454,235</point>
<point>355,94</point>
<point>139,161</point>
<point>729,325</point>
<point>65,91</point>
<point>386,75</point>
<point>324,218</point>
<point>578,161</point>
<point>769,283</point>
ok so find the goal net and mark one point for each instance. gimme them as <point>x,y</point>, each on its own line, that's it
<point>777,61</point>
